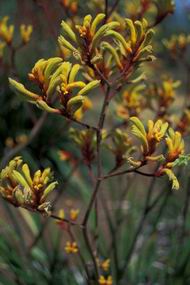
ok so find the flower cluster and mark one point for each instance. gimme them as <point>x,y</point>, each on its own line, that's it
<point>175,148</point>
<point>106,48</point>
<point>56,80</point>
<point>18,187</point>
<point>85,39</point>
<point>150,140</point>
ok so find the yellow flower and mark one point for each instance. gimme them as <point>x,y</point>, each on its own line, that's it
<point>156,131</point>
<point>71,247</point>
<point>105,265</point>
<point>6,32</point>
<point>23,190</point>
<point>74,214</point>
<point>175,144</point>
<point>175,148</point>
<point>132,102</point>
<point>172,177</point>
<point>25,33</point>
<point>150,138</point>
<point>55,76</point>
<point>105,281</point>
<point>61,215</point>
<point>88,31</point>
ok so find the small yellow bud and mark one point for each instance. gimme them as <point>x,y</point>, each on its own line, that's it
<point>74,214</point>
<point>105,265</point>
<point>25,33</point>
<point>105,281</point>
<point>6,32</point>
<point>71,247</point>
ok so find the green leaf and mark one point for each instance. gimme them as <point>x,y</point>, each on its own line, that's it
<point>182,160</point>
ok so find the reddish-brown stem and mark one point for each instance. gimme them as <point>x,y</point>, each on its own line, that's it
<point>99,166</point>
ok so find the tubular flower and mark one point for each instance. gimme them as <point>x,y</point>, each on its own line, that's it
<point>175,144</point>
<point>72,102</point>
<point>25,33</point>
<point>86,140</point>
<point>53,76</point>
<point>124,50</point>
<point>85,39</point>
<point>6,32</point>
<point>150,138</point>
<point>131,103</point>
<point>129,49</point>
<point>22,190</point>
<point>175,150</point>
<point>105,281</point>
<point>171,176</point>
<point>156,133</point>
<point>71,247</point>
